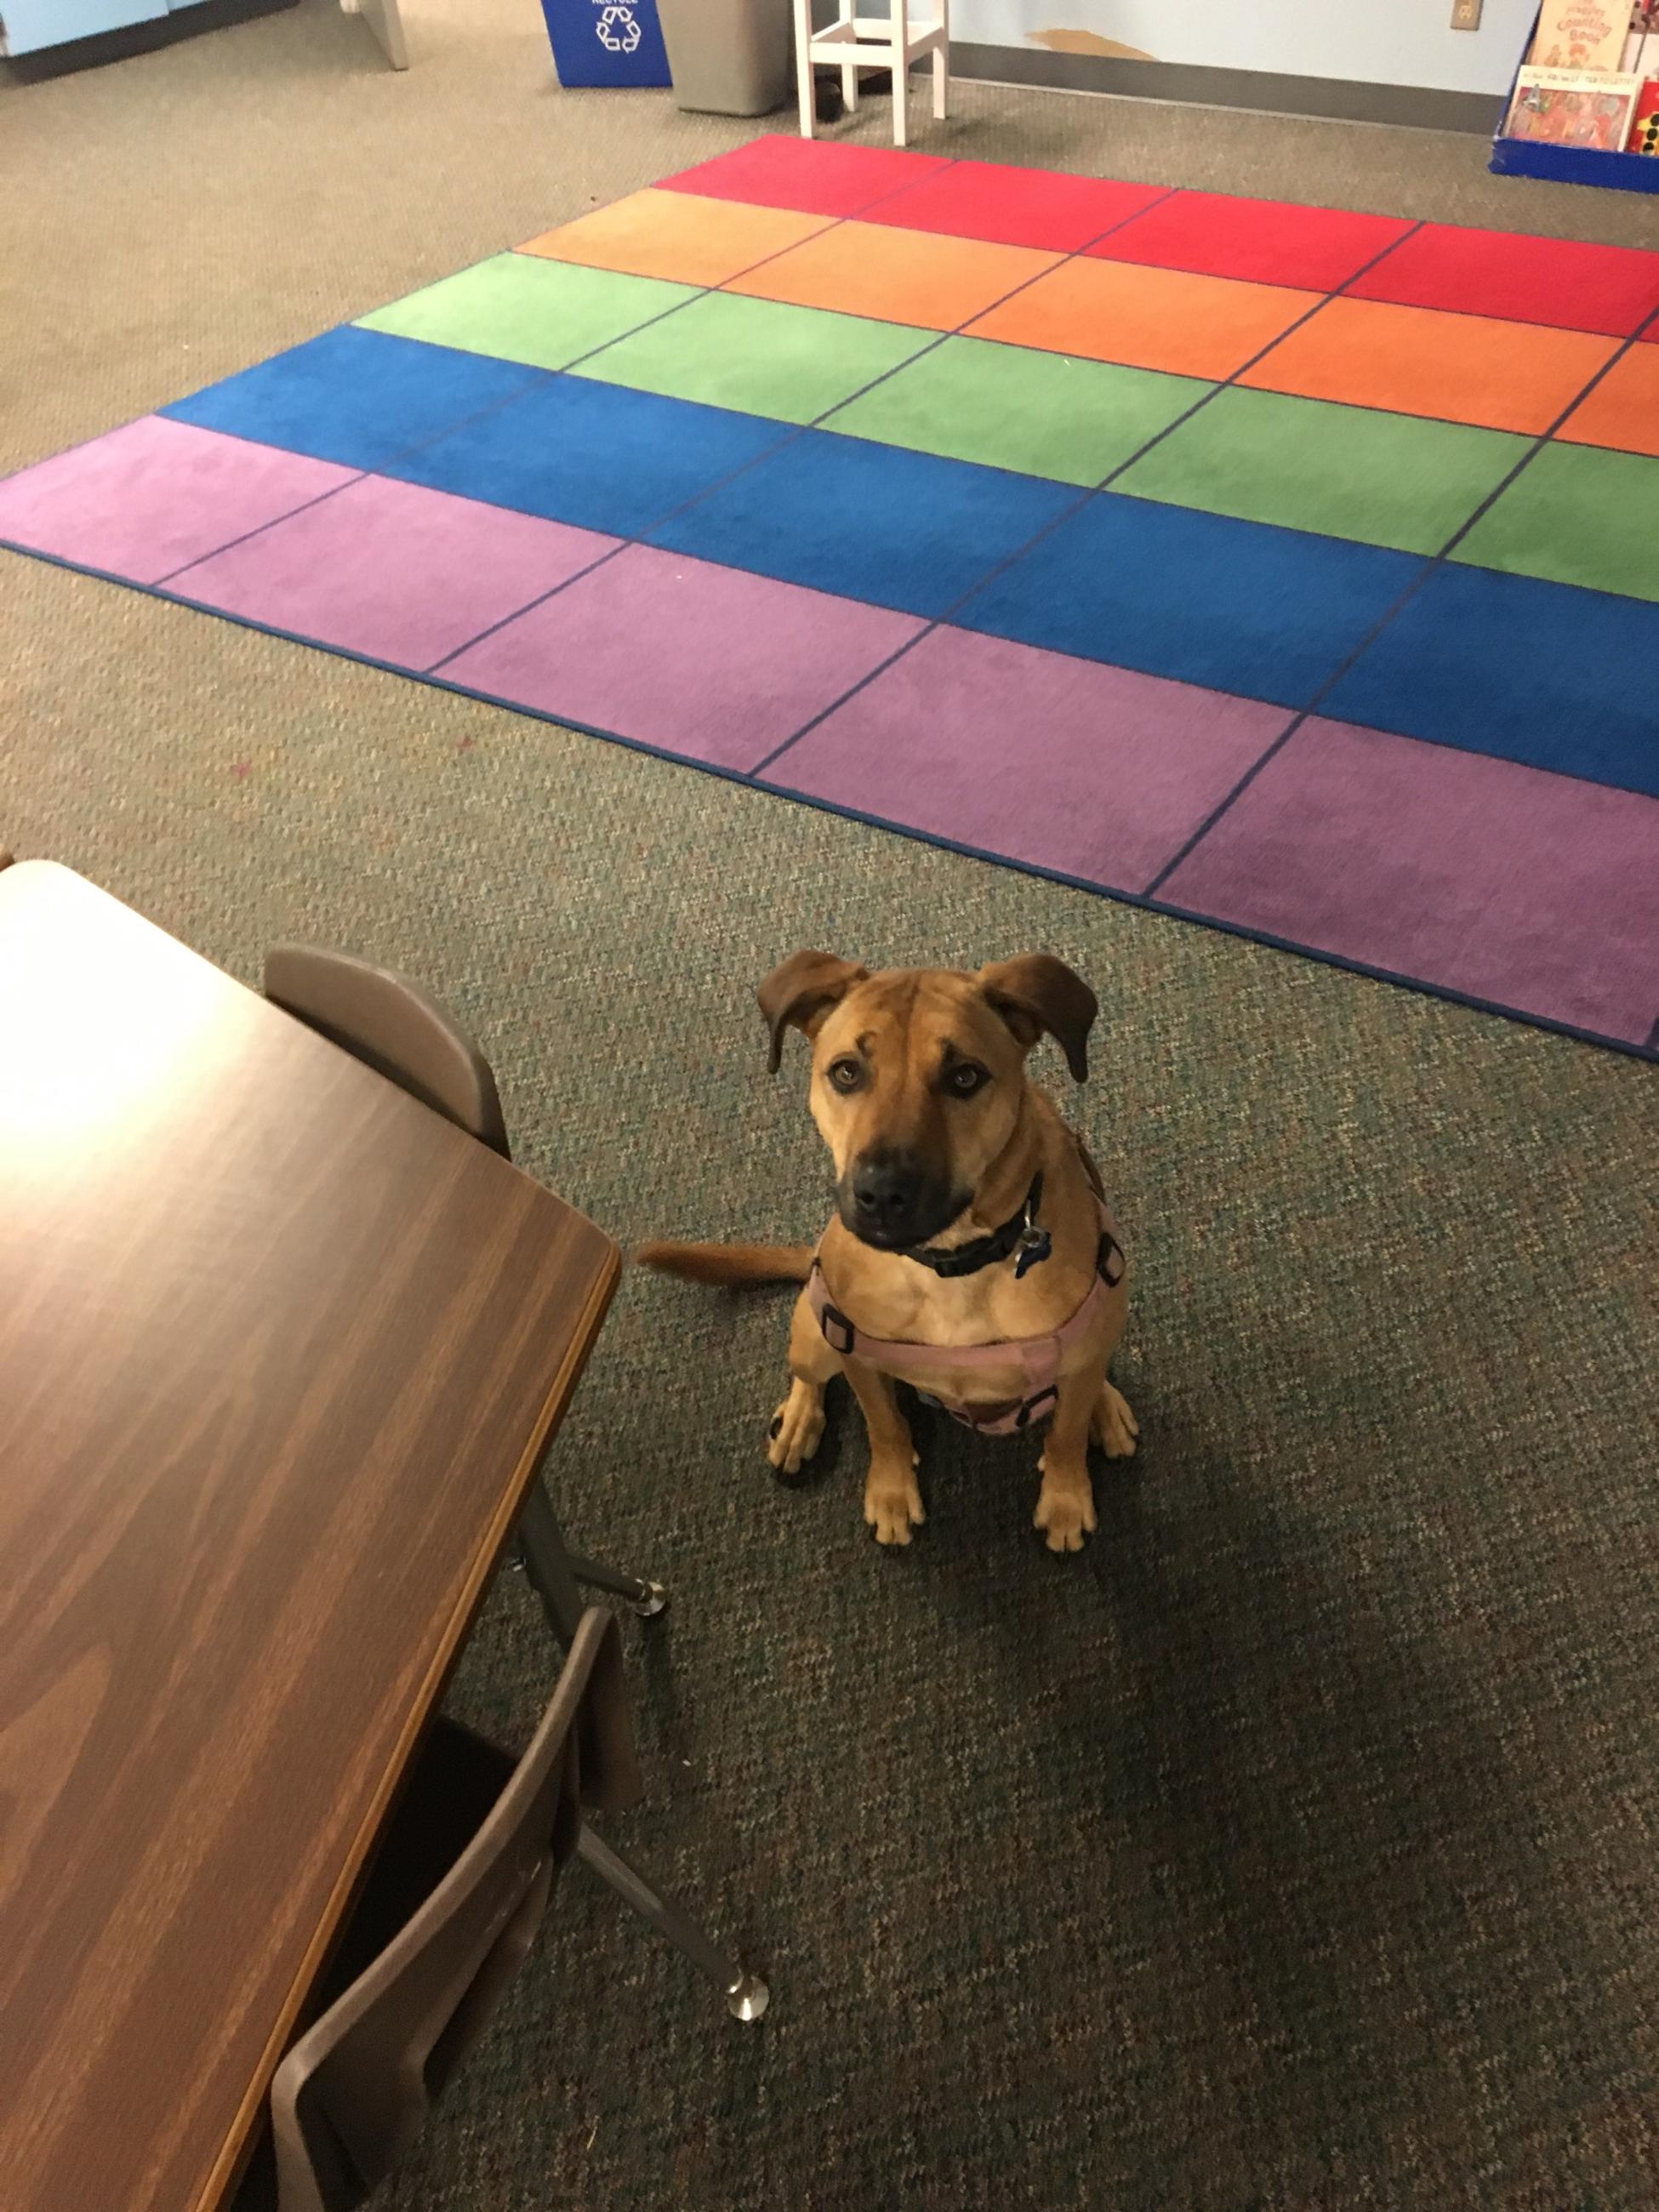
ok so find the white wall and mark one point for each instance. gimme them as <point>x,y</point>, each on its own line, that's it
<point>1376,41</point>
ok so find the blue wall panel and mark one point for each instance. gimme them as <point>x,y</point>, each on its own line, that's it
<point>32,24</point>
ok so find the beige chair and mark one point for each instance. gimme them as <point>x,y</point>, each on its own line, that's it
<point>458,1888</point>
<point>461,1880</point>
<point>401,1032</point>
<point>385,19</point>
<point>397,1029</point>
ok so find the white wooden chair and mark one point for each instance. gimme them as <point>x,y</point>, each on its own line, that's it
<point>384,19</point>
<point>894,40</point>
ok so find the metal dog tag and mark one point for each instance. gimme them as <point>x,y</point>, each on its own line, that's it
<point>1034,1247</point>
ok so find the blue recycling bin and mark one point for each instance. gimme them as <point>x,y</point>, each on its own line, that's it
<point>606,42</point>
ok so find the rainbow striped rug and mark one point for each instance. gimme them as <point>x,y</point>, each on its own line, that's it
<point>1291,570</point>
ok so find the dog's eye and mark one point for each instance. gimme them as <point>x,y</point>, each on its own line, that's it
<point>965,1079</point>
<point>845,1075</point>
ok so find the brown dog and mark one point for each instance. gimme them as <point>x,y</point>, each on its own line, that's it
<point>970,1254</point>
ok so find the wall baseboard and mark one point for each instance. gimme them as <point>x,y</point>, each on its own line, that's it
<point>1335,99</point>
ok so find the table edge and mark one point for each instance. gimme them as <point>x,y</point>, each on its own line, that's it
<point>215,2193</point>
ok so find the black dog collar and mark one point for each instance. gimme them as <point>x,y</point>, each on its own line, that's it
<point>1019,1233</point>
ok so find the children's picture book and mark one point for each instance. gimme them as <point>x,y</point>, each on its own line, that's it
<point>1588,109</point>
<point>1645,122</point>
<point>1581,34</point>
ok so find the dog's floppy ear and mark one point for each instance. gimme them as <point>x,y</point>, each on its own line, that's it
<point>801,992</point>
<point>1037,993</point>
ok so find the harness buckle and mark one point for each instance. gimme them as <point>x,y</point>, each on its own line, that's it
<point>1110,1262</point>
<point>1037,1408</point>
<point>839,1332</point>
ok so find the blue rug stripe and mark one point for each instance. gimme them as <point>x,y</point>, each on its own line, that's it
<point>1551,675</point>
<point>1245,607</point>
<point>597,455</point>
<point>356,397</point>
<point>872,522</point>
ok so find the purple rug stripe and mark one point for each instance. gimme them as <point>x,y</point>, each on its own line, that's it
<point>392,571</point>
<point>1507,884</point>
<point>1429,987</point>
<point>152,497</point>
<point>1064,764</point>
<point>709,664</point>
<point>1432,986</point>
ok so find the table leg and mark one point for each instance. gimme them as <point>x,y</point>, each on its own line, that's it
<point>555,1570</point>
<point>547,1563</point>
<point>647,1599</point>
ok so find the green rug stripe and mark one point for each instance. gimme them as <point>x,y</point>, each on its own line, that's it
<point>1013,407</point>
<point>1577,514</point>
<point>1393,480</point>
<point>758,356</point>
<point>518,307</point>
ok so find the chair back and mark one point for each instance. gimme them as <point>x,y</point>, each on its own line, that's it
<point>353,2093</point>
<point>394,1027</point>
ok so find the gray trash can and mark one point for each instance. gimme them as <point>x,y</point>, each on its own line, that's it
<point>727,56</point>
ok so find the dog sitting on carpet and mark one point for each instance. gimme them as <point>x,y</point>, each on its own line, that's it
<point>971,1253</point>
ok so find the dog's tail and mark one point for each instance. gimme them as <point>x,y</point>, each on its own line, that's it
<point>732,1266</point>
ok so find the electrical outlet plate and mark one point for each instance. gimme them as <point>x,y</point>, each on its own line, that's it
<point>1466,14</point>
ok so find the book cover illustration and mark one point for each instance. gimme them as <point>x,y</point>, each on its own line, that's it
<point>1581,34</point>
<point>1589,110</point>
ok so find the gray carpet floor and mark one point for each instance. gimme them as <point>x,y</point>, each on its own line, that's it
<point>1292,1848</point>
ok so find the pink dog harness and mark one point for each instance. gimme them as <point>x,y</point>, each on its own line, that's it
<point>1039,1356</point>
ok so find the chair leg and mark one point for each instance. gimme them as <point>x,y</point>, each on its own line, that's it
<point>901,29</point>
<point>849,70</point>
<point>647,1599</point>
<point>804,85</point>
<point>942,64</point>
<point>746,1996</point>
<point>384,19</point>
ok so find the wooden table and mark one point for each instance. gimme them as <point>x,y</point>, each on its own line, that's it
<point>280,1352</point>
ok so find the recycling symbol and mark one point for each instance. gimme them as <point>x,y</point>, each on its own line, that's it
<point>618,30</point>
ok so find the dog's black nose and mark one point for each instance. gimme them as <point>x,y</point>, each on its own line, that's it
<point>886,1190</point>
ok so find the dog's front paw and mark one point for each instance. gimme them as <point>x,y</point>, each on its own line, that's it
<point>1112,1426</point>
<point>797,1429</point>
<point>892,1504</point>
<point>1065,1509</point>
